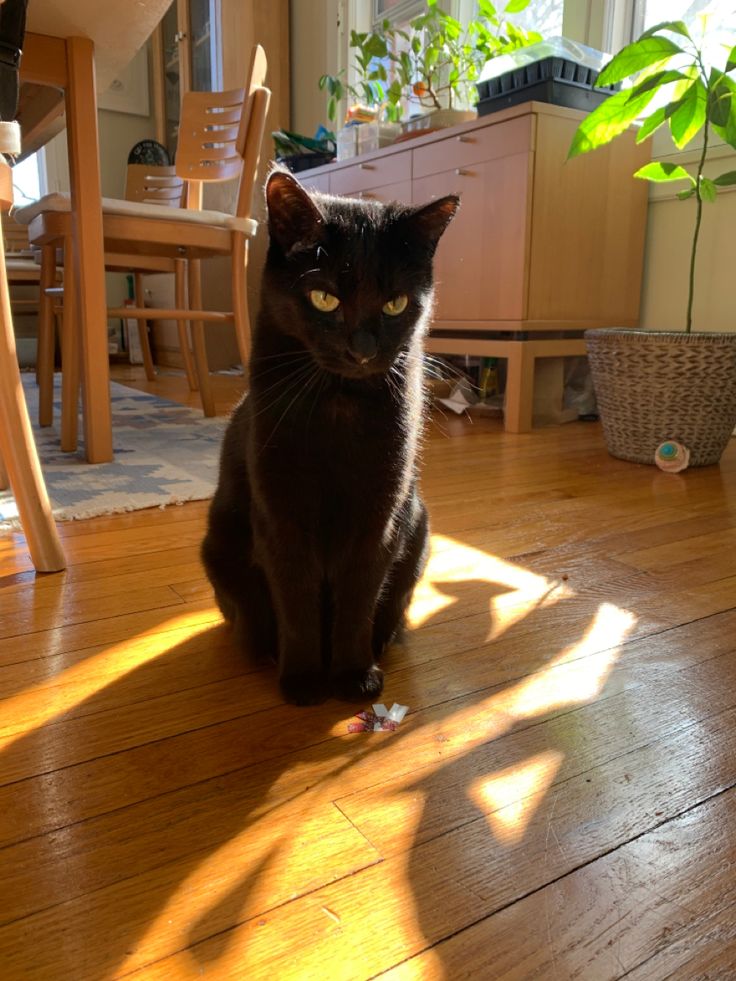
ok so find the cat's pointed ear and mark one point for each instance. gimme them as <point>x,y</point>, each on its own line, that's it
<point>429,222</point>
<point>293,217</point>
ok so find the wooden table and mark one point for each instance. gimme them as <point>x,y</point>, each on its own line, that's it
<point>73,50</point>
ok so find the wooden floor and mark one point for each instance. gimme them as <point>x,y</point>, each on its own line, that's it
<point>560,802</point>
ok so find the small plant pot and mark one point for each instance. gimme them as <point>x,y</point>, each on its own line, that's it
<point>653,386</point>
<point>439,119</point>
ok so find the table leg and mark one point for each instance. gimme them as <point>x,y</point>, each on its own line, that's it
<point>519,389</point>
<point>84,174</point>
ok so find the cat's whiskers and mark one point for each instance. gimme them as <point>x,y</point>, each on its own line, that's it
<point>305,356</point>
<point>285,385</point>
<point>302,389</point>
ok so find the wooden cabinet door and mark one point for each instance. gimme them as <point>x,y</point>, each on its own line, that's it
<point>481,261</point>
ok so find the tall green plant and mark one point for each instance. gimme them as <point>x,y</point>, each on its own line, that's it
<point>693,96</point>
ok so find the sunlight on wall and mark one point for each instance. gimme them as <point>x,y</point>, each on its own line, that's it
<point>510,798</point>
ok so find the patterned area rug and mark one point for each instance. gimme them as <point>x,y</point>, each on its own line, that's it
<point>165,453</point>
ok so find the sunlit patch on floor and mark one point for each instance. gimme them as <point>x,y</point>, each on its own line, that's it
<point>510,797</point>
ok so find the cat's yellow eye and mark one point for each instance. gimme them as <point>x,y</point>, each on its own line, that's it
<point>396,306</point>
<point>325,302</point>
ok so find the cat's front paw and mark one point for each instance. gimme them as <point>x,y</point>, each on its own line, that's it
<point>304,689</point>
<point>357,685</point>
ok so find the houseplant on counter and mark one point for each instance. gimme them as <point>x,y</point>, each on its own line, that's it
<point>441,59</point>
<point>654,386</point>
<point>433,66</point>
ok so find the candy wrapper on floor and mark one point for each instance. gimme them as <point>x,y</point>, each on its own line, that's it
<point>380,719</point>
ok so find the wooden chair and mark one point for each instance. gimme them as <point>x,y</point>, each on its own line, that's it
<point>22,266</point>
<point>163,187</point>
<point>19,466</point>
<point>220,137</point>
<point>149,185</point>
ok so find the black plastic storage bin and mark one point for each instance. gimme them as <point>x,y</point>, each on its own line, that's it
<point>558,81</point>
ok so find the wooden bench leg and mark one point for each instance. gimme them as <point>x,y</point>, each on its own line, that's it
<point>4,480</point>
<point>519,389</point>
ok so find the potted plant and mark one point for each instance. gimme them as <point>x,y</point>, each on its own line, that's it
<point>441,59</point>
<point>654,386</point>
<point>434,65</point>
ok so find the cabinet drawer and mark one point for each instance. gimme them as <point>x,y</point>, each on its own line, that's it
<point>320,182</point>
<point>401,191</point>
<point>474,146</point>
<point>371,173</point>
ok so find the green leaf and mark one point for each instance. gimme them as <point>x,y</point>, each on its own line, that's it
<point>394,92</point>
<point>676,26</point>
<point>683,195</point>
<point>690,116</point>
<point>661,172</point>
<point>656,81</point>
<point>726,180</point>
<point>607,120</point>
<point>634,57</point>
<point>731,62</point>
<point>515,6</point>
<point>708,190</point>
<point>651,123</point>
<point>486,9</point>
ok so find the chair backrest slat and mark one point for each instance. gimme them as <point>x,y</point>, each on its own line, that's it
<point>208,131</point>
<point>154,185</point>
<point>15,235</point>
<point>219,130</point>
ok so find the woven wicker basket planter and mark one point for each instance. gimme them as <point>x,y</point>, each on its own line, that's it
<point>652,386</point>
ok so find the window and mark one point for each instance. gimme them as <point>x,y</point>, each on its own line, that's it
<point>543,16</point>
<point>399,12</point>
<point>647,13</point>
<point>27,180</point>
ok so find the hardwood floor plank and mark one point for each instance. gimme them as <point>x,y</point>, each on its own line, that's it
<point>557,803</point>
<point>449,883</point>
<point>656,908</point>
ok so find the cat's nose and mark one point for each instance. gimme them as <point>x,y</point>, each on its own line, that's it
<point>362,346</point>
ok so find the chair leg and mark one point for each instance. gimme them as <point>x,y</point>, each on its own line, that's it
<point>143,330</point>
<point>45,355</point>
<point>18,450</point>
<point>4,480</point>
<point>198,339</point>
<point>182,325</point>
<point>70,357</point>
<point>240,298</point>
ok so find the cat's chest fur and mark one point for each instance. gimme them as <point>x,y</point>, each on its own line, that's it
<point>337,469</point>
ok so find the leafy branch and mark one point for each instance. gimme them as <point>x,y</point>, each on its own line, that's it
<point>693,97</point>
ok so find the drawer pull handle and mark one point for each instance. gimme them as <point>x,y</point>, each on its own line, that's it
<point>367,167</point>
<point>465,139</point>
<point>462,173</point>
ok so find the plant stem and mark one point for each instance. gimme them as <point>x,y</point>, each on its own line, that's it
<point>691,290</point>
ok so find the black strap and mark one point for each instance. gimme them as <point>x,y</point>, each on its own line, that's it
<point>12,31</point>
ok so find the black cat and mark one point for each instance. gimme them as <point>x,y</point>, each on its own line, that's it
<point>317,534</point>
